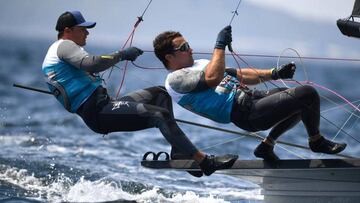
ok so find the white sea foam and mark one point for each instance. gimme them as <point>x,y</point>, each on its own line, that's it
<point>57,149</point>
<point>187,197</point>
<point>64,190</point>
<point>75,150</point>
<point>100,190</point>
<point>92,191</point>
<point>19,177</point>
<point>11,140</point>
<point>85,191</point>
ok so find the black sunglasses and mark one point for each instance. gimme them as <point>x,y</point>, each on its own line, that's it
<point>183,47</point>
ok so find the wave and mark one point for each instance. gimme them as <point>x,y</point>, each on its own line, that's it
<point>44,182</point>
<point>21,182</point>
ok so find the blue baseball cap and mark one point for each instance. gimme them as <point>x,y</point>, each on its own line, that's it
<point>71,19</point>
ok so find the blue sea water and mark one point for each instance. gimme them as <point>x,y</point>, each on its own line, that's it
<point>49,155</point>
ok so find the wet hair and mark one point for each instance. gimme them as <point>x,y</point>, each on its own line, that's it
<point>163,45</point>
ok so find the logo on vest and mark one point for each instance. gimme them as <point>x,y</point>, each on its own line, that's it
<point>117,105</point>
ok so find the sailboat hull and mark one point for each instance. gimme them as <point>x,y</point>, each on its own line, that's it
<point>312,180</point>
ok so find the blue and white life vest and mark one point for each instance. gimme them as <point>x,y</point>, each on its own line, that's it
<point>73,84</point>
<point>213,103</point>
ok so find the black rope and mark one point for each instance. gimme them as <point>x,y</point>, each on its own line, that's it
<point>235,12</point>
<point>139,19</point>
<point>251,135</point>
<point>147,68</point>
<point>32,89</point>
<point>142,15</point>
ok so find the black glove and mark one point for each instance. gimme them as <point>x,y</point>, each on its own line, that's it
<point>130,54</point>
<point>284,71</point>
<point>224,38</point>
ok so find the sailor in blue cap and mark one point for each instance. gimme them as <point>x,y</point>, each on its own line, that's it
<point>72,21</point>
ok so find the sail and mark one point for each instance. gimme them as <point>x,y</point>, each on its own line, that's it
<point>349,26</point>
<point>356,9</point>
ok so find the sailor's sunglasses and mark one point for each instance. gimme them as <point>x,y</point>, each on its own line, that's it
<point>183,47</point>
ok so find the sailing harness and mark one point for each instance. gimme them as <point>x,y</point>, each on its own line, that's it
<point>59,92</point>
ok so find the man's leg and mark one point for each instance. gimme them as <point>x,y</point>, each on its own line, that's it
<point>265,149</point>
<point>282,111</point>
<point>129,114</point>
<point>132,116</point>
<point>157,96</point>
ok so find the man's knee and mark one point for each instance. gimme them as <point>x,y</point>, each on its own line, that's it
<point>159,118</point>
<point>158,112</point>
<point>307,93</point>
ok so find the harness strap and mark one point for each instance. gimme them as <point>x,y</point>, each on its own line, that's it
<point>58,90</point>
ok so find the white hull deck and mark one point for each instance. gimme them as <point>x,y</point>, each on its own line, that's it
<point>313,180</point>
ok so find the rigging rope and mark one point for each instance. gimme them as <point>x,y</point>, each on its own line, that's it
<point>277,56</point>
<point>340,129</point>
<point>235,12</point>
<point>131,37</point>
<point>301,61</point>
<point>247,134</point>
<point>320,86</point>
<point>340,106</point>
<point>351,115</point>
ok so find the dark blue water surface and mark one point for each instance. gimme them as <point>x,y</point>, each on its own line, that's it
<point>49,155</point>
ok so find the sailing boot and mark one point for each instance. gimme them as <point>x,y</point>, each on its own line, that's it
<point>326,146</point>
<point>212,163</point>
<point>177,155</point>
<point>266,152</point>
